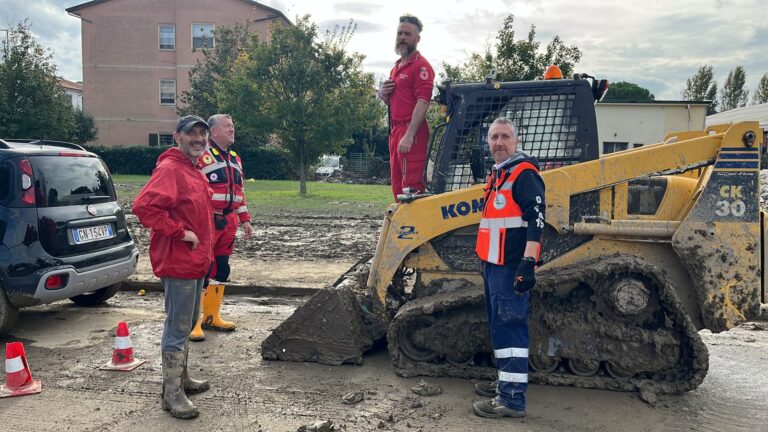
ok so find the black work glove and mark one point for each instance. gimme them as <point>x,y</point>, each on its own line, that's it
<point>525,279</point>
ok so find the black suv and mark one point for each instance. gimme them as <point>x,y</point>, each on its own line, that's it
<point>62,232</point>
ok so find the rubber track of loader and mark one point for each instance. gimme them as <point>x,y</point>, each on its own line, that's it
<point>689,373</point>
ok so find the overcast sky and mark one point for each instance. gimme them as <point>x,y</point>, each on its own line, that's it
<point>657,44</point>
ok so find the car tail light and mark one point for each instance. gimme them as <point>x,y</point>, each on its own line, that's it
<point>56,282</point>
<point>28,192</point>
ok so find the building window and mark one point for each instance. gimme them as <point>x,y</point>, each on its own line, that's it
<point>167,37</point>
<point>613,147</point>
<point>165,139</point>
<point>202,36</point>
<point>167,92</point>
<point>637,145</point>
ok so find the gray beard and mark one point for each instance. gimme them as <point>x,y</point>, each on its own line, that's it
<point>404,52</point>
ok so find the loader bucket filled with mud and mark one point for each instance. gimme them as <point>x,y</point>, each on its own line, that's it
<point>335,326</point>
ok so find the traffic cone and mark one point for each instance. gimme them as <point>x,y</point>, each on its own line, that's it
<point>18,377</point>
<point>122,355</point>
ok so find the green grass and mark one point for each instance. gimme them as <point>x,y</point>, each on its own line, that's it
<point>282,196</point>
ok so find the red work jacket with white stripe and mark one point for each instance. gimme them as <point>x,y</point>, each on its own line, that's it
<point>224,171</point>
<point>513,212</point>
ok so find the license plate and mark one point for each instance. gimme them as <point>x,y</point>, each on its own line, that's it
<point>91,234</point>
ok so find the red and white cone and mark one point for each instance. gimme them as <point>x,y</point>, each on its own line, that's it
<point>122,354</point>
<point>18,377</point>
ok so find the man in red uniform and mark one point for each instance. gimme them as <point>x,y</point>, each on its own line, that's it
<point>224,171</point>
<point>176,205</point>
<point>407,92</point>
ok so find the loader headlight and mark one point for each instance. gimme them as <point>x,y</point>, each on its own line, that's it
<point>749,139</point>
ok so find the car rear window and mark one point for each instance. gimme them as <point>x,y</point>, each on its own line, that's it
<point>64,180</point>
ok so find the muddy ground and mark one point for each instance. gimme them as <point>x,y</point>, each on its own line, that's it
<point>289,250</point>
<point>66,344</point>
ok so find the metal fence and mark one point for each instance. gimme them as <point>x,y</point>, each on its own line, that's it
<point>357,164</point>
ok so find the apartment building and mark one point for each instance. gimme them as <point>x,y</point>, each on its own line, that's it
<point>137,55</point>
<point>73,91</point>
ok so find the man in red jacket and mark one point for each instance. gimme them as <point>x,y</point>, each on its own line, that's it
<point>176,205</point>
<point>224,170</point>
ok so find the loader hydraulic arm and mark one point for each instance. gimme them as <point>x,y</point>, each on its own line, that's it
<point>659,159</point>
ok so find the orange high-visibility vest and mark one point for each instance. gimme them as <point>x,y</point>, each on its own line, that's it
<point>500,213</point>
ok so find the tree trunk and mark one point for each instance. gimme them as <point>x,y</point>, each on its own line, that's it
<point>302,172</point>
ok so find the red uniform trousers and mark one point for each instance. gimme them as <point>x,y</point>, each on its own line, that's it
<point>223,246</point>
<point>407,170</point>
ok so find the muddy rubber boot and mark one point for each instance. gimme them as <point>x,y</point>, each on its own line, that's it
<point>487,388</point>
<point>493,408</point>
<point>197,334</point>
<point>212,299</point>
<point>192,386</point>
<point>174,399</point>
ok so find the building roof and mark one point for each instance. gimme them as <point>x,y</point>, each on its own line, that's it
<point>70,85</point>
<point>752,112</point>
<point>76,8</point>
<point>654,102</point>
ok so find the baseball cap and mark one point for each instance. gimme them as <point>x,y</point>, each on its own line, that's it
<point>186,123</point>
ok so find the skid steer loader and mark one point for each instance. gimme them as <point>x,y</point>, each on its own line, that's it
<point>642,249</point>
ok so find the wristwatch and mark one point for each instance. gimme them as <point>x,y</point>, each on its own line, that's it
<point>531,259</point>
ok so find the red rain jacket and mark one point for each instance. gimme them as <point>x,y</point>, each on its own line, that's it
<point>177,198</point>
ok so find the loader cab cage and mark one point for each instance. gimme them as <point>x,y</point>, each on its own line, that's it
<point>555,123</point>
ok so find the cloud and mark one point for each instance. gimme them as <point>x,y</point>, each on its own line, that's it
<point>653,43</point>
<point>361,27</point>
<point>53,29</point>
<point>361,8</point>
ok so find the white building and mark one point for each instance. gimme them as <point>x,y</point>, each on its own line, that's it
<point>626,125</point>
<point>752,112</point>
<point>73,90</point>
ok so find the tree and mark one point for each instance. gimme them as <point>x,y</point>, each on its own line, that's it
<point>733,94</point>
<point>701,86</point>
<point>307,91</point>
<point>84,127</point>
<point>761,94</point>
<point>200,99</point>
<point>372,137</point>
<point>217,63</point>
<point>626,91</point>
<point>515,60</point>
<point>32,105</point>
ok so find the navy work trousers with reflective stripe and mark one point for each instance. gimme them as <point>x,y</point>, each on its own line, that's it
<point>508,313</point>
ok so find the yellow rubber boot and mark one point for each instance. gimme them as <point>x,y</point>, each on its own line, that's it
<point>197,334</point>
<point>212,299</point>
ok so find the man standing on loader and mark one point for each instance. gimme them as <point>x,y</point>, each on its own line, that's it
<point>224,171</point>
<point>508,243</point>
<point>407,93</point>
<point>176,205</point>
